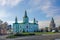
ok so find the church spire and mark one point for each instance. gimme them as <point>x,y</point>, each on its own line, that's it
<point>16,20</point>
<point>52,24</point>
<point>25,14</point>
<point>52,21</point>
<point>34,20</point>
<point>25,18</point>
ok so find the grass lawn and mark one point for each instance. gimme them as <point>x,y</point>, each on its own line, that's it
<point>39,33</point>
<point>20,35</point>
<point>28,34</point>
<point>11,36</point>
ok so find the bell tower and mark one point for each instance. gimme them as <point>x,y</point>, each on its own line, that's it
<point>34,21</point>
<point>25,18</point>
<point>16,20</point>
<point>52,25</point>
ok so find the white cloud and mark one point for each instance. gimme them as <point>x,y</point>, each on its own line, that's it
<point>47,6</point>
<point>4,14</point>
<point>43,24</point>
<point>9,2</point>
<point>19,21</point>
<point>49,9</point>
<point>47,22</point>
<point>11,22</point>
<point>57,20</point>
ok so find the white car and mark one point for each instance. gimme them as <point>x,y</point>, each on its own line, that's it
<point>53,30</point>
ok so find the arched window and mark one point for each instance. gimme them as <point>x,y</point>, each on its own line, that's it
<point>26,26</point>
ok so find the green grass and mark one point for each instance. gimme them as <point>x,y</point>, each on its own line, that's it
<point>39,33</point>
<point>20,35</point>
<point>28,34</point>
<point>11,36</point>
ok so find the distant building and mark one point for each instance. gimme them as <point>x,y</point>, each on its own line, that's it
<point>1,22</point>
<point>25,26</point>
<point>58,28</point>
<point>52,25</point>
<point>9,27</point>
<point>3,28</point>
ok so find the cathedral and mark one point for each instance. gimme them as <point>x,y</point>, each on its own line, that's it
<point>25,26</point>
<point>52,25</point>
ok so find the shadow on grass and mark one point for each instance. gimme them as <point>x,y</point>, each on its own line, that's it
<point>20,35</point>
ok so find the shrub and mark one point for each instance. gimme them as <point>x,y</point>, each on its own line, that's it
<point>29,34</point>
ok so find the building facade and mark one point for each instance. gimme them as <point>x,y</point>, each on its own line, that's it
<point>3,28</point>
<point>52,25</point>
<point>25,26</point>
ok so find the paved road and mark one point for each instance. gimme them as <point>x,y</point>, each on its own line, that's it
<point>36,37</point>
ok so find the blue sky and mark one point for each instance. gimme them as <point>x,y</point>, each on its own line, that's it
<point>42,10</point>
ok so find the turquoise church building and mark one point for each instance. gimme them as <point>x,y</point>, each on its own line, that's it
<point>25,26</point>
